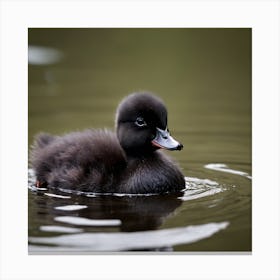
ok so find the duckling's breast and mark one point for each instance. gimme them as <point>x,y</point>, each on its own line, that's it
<point>156,173</point>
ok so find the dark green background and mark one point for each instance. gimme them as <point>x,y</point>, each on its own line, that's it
<point>204,77</point>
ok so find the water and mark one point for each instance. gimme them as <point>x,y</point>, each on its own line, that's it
<point>76,79</point>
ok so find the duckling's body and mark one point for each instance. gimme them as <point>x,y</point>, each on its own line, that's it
<point>153,174</point>
<point>106,162</point>
<point>88,161</point>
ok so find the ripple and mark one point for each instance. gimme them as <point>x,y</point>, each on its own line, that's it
<point>71,207</point>
<point>197,181</point>
<point>95,194</point>
<point>224,168</point>
<point>128,240</point>
<point>87,222</point>
<point>57,195</point>
<point>197,188</point>
<point>60,229</point>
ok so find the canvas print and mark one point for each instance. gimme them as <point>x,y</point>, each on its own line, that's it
<point>139,140</point>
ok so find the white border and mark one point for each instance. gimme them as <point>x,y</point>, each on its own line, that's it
<point>262,16</point>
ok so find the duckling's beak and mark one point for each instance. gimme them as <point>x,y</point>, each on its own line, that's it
<point>164,140</point>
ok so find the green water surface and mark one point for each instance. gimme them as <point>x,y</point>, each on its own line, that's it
<point>204,77</point>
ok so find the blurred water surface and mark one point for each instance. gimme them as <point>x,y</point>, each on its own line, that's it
<point>76,78</point>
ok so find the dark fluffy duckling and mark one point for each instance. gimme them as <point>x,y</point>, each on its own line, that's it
<point>101,161</point>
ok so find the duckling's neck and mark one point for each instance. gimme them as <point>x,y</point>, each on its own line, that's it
<point>140,153</point>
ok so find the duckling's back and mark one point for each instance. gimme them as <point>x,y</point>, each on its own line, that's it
<point>87,161</point>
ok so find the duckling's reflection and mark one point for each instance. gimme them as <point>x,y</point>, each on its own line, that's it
<point>137,213</point>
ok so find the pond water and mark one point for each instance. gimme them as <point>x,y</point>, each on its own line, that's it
<point>77,78</point>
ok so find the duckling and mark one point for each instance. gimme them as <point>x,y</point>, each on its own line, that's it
<point>101,161</point>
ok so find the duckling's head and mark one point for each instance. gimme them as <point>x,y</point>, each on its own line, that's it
<point>141,125</point>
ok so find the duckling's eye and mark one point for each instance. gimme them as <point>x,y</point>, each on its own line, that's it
<point>140,122</point>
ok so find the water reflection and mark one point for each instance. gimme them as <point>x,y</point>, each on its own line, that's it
<point>41,55</point>
<point>84,221</point>
<point>135,213</point>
